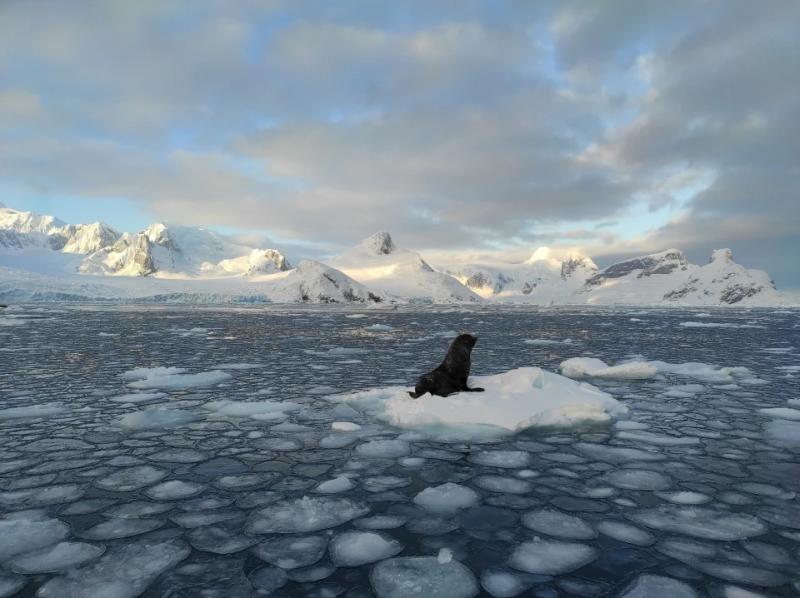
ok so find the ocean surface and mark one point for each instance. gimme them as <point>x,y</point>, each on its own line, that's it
<point>120,481</point>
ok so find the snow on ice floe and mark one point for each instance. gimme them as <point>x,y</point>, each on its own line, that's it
<point>56,558</point>
<point>652,586</point>
<point>172,378</point>
<point>124,571</point>
<point>403,577</point>
<point>446,498</point>
<point>292,552</point>
<point>551,557</point>
<point>515,400</point>
<point>558,524</point>
<point>590,367</point>
<point>24,535</point>
<point>354,548</point>
<point>700,522</point>
<point>30,411</point>
<point>306,514</point>
<point>156,418</point>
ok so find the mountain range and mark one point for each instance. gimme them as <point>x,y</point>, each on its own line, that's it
<point>45,259</point>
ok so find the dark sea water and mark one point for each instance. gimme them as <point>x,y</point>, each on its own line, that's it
<point>696,490</point>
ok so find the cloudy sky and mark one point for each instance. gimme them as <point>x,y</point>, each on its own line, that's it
<point>465,128</point>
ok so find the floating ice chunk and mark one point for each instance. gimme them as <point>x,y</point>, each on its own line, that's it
<point>550,557</point>
<point>311,574</point>
<point>658,439</point>
<point>700,522</point>
<point>251,409</point>
<point>178,455</point>
<point>781,413</point>
<point>40,497</point>
<point>503,484</point>
<point>156,418</point>
<point>504,459</point>
<point>352,549</point>
<point>518,399</point>
<point>125,571</point>
<point>548,341</point>
<point>503,584</point>
<point>769,553</point>
<point>131,478</point>
<point>691,324</point>
<point>345,426</point>
<point>193,520</point>
<point>138,508</point>
<point>293,552</point>
<point>335,441</point>
<point>684,497</point>
<point>173,378</point>
<point>590,367</point>
<point>239,366</point>
<point>741,573</point>
<point>43,410</point>
<point>447,498</point>
<point>380,328</point>
<point>558,524</point>
<point>762,489</point>
<point>408,577</point>
<point>784,432</point>
<point>25,535</point>
<point>305,514</point>
<point>651,586</point>
<point>627,424</point>
<point>115,528</point>
<point>638,479</point>
<point>625,532</point>
<point>383,449</point>
<point>174,490</point>
<point>219,540</point>
<point>334,486</point>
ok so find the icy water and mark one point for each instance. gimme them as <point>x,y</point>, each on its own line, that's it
<point>118,482</point>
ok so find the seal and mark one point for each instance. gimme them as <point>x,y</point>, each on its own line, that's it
<point>451,376</point>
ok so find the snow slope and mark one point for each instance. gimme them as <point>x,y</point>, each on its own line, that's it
<point>44,258</point>
<point>377,262</point>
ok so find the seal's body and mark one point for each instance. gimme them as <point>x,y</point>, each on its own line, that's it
<point>451,376</point>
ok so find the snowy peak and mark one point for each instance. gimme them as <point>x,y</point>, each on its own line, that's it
<point>721,256</point>
<point>379,244</point>
<point>577,265</point>
<point>313,282</point>
<point>664,262</point>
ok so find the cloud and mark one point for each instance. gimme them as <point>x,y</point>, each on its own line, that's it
<point>466,126</point>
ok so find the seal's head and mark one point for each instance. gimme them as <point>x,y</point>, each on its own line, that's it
<point>465,340</point>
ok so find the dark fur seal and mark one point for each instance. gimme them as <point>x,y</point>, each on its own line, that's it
<point>451,376</point>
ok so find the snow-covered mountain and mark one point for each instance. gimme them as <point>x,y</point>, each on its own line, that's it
<point>43,258</point>
<point>379,263</point>
<point>539,279</point>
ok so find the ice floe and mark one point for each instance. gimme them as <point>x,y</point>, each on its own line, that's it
<point>652,586</point>
<point>171,378</point>
<point>700,522</point>
<point>292,552</point>
<point>558,524</point>
<point>351,549</point>
<point>406,577</point>
<point>513,401</point>
<point>551,557</point>
<point>306,514</point>
<point>590,367</point>
<point>447,498</point>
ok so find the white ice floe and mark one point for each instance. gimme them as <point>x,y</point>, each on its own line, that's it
<point>700,522</point>
<point>784,432</point>
<point>625,532</point>
<point>25,535</point>
<point>379,328</point>
<point>548,341</point>
<point>502,484</point>
<point>138,397</point>
<point>352,549</point>
<point>383,449</point>
<point>590,367</point>
<point>43,410</point>
<point>558,524</point>
<point>263,410</point>
<point>306,514</point>
<point>131,478</point>
<point>292,552</point>
<point>345,426</point>
<point>781,413</point>
<point>171,378</point>
<point>125,571</point>
<point>404,577</point>
<point>638,479</point>
<point>658,439</point>
<point>684,497</point>
<point>550,557</point>
<point>156,418</point>
<point>513,401</point>
<point>219,540</point>
<point>616,454</point>
<point>59,557</point>
<point>334,486</point>
<point>650,586</point>
<point>174,490</point>
<point>446,498</point>
<point>115,528</point>
<point>503,584</point>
